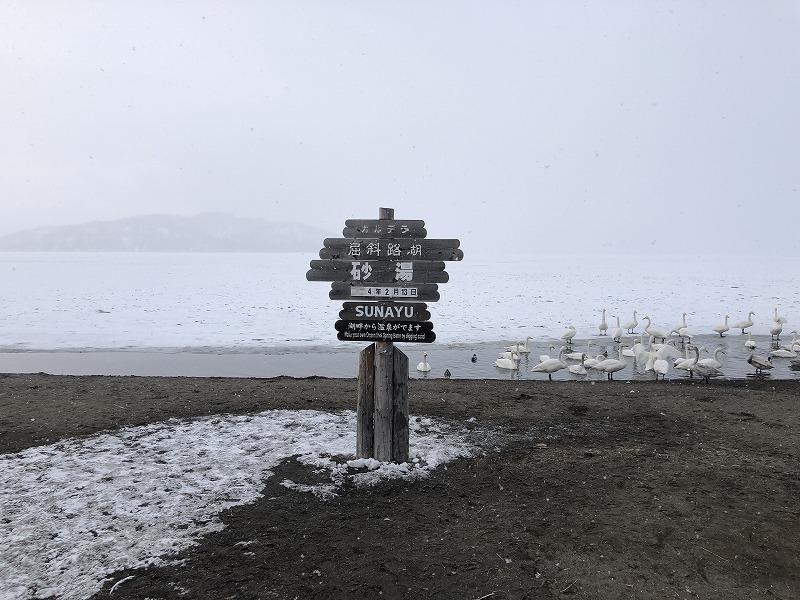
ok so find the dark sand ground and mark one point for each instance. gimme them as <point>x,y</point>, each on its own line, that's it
<point>623,489</point>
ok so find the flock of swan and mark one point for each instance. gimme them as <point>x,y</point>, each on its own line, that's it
<point>653,350</point>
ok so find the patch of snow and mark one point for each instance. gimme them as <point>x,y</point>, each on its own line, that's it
<point>76,511</point>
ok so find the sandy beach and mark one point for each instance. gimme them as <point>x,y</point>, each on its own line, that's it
<point>612,490</point>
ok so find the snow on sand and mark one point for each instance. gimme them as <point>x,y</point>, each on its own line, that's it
<point>76,511</point>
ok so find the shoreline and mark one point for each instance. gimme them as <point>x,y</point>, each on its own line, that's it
<point>342,362</point>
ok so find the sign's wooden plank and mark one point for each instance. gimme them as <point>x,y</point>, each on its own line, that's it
<point>406,245</point>
<point>385,311</point>
<point>384,228</point>
<point>391,250</point>
<point>377,336</point>
<point>370,233</point>
<point>424,254</point>
<point>424,292</point>
<point>369,277</point>
<point>390,326</point>
<point>380,265</point>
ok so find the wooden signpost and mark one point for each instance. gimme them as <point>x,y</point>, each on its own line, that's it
<point>386,270</point>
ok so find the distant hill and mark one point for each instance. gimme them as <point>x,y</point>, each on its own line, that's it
<point>207,232</point>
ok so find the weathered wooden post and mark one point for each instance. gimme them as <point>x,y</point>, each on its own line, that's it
<point>390,269</point>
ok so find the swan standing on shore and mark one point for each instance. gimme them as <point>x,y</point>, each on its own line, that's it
<point>632,324</point>
<point>721,329</point>
<point>714,361</point>
<point>551,365</point>
<point>603,325</point>
<point>704,370</point>
<point>775,331</point>
<point>661,367</point>
<point>424,366</point>
<point>653,332</point>
<point>760,363</point>
<point>745,323</point>
<point>611,365</point>
<point>616,333</point>
<point>569,334</point>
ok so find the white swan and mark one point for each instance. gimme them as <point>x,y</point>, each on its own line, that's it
<point>683,332</point>
<point>508,363</point>
<point>688,364</point>
<point>661,367</point>
<point>591,363</point>
<point>578,355</point>
<point>784,353</point>
<point>513,352</point>
<point>611,365</point>
<point>616,333</point>
<point>424,366</point>
<point>631,351</point>
<point>721,329</point>
<point>551,365</point>
<point>749,343</point>
<point>777,318</point>
<point>745,323</point>
<point>569,334</point>
<point>653,332</point>
<point>603,326</point>
<point>632,324</point>
<point>525,348</point>
<point>704,371</point>
<point>682,324</point>
<point>714,361</point>
<point>775,331</point>
<point>794,339</point>
<point>579,369</point>
<point>760,363</point>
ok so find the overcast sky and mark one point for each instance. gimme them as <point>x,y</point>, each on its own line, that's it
<point>539,125</point>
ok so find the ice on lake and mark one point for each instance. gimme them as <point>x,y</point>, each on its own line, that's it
<point>242,308</point>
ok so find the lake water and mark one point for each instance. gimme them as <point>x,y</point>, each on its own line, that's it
<point>257,315</point>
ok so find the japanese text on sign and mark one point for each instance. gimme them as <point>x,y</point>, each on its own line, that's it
<point>361,271</point>
<point>376,248</point>
<point>380,228</point>
<point>378,326</point>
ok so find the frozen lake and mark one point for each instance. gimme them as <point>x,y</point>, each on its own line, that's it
<point>256,315</point>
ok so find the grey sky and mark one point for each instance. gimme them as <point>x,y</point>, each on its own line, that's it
<point>543,125</point>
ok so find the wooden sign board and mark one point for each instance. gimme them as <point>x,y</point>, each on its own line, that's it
<point>379,265</point>
<point>415,249</point>
<point>385,311</point>
<point>423,292</point>
<point>364,273</point>
<point>383,228</point>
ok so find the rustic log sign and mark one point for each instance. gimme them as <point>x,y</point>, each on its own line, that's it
<point>385,270</point>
